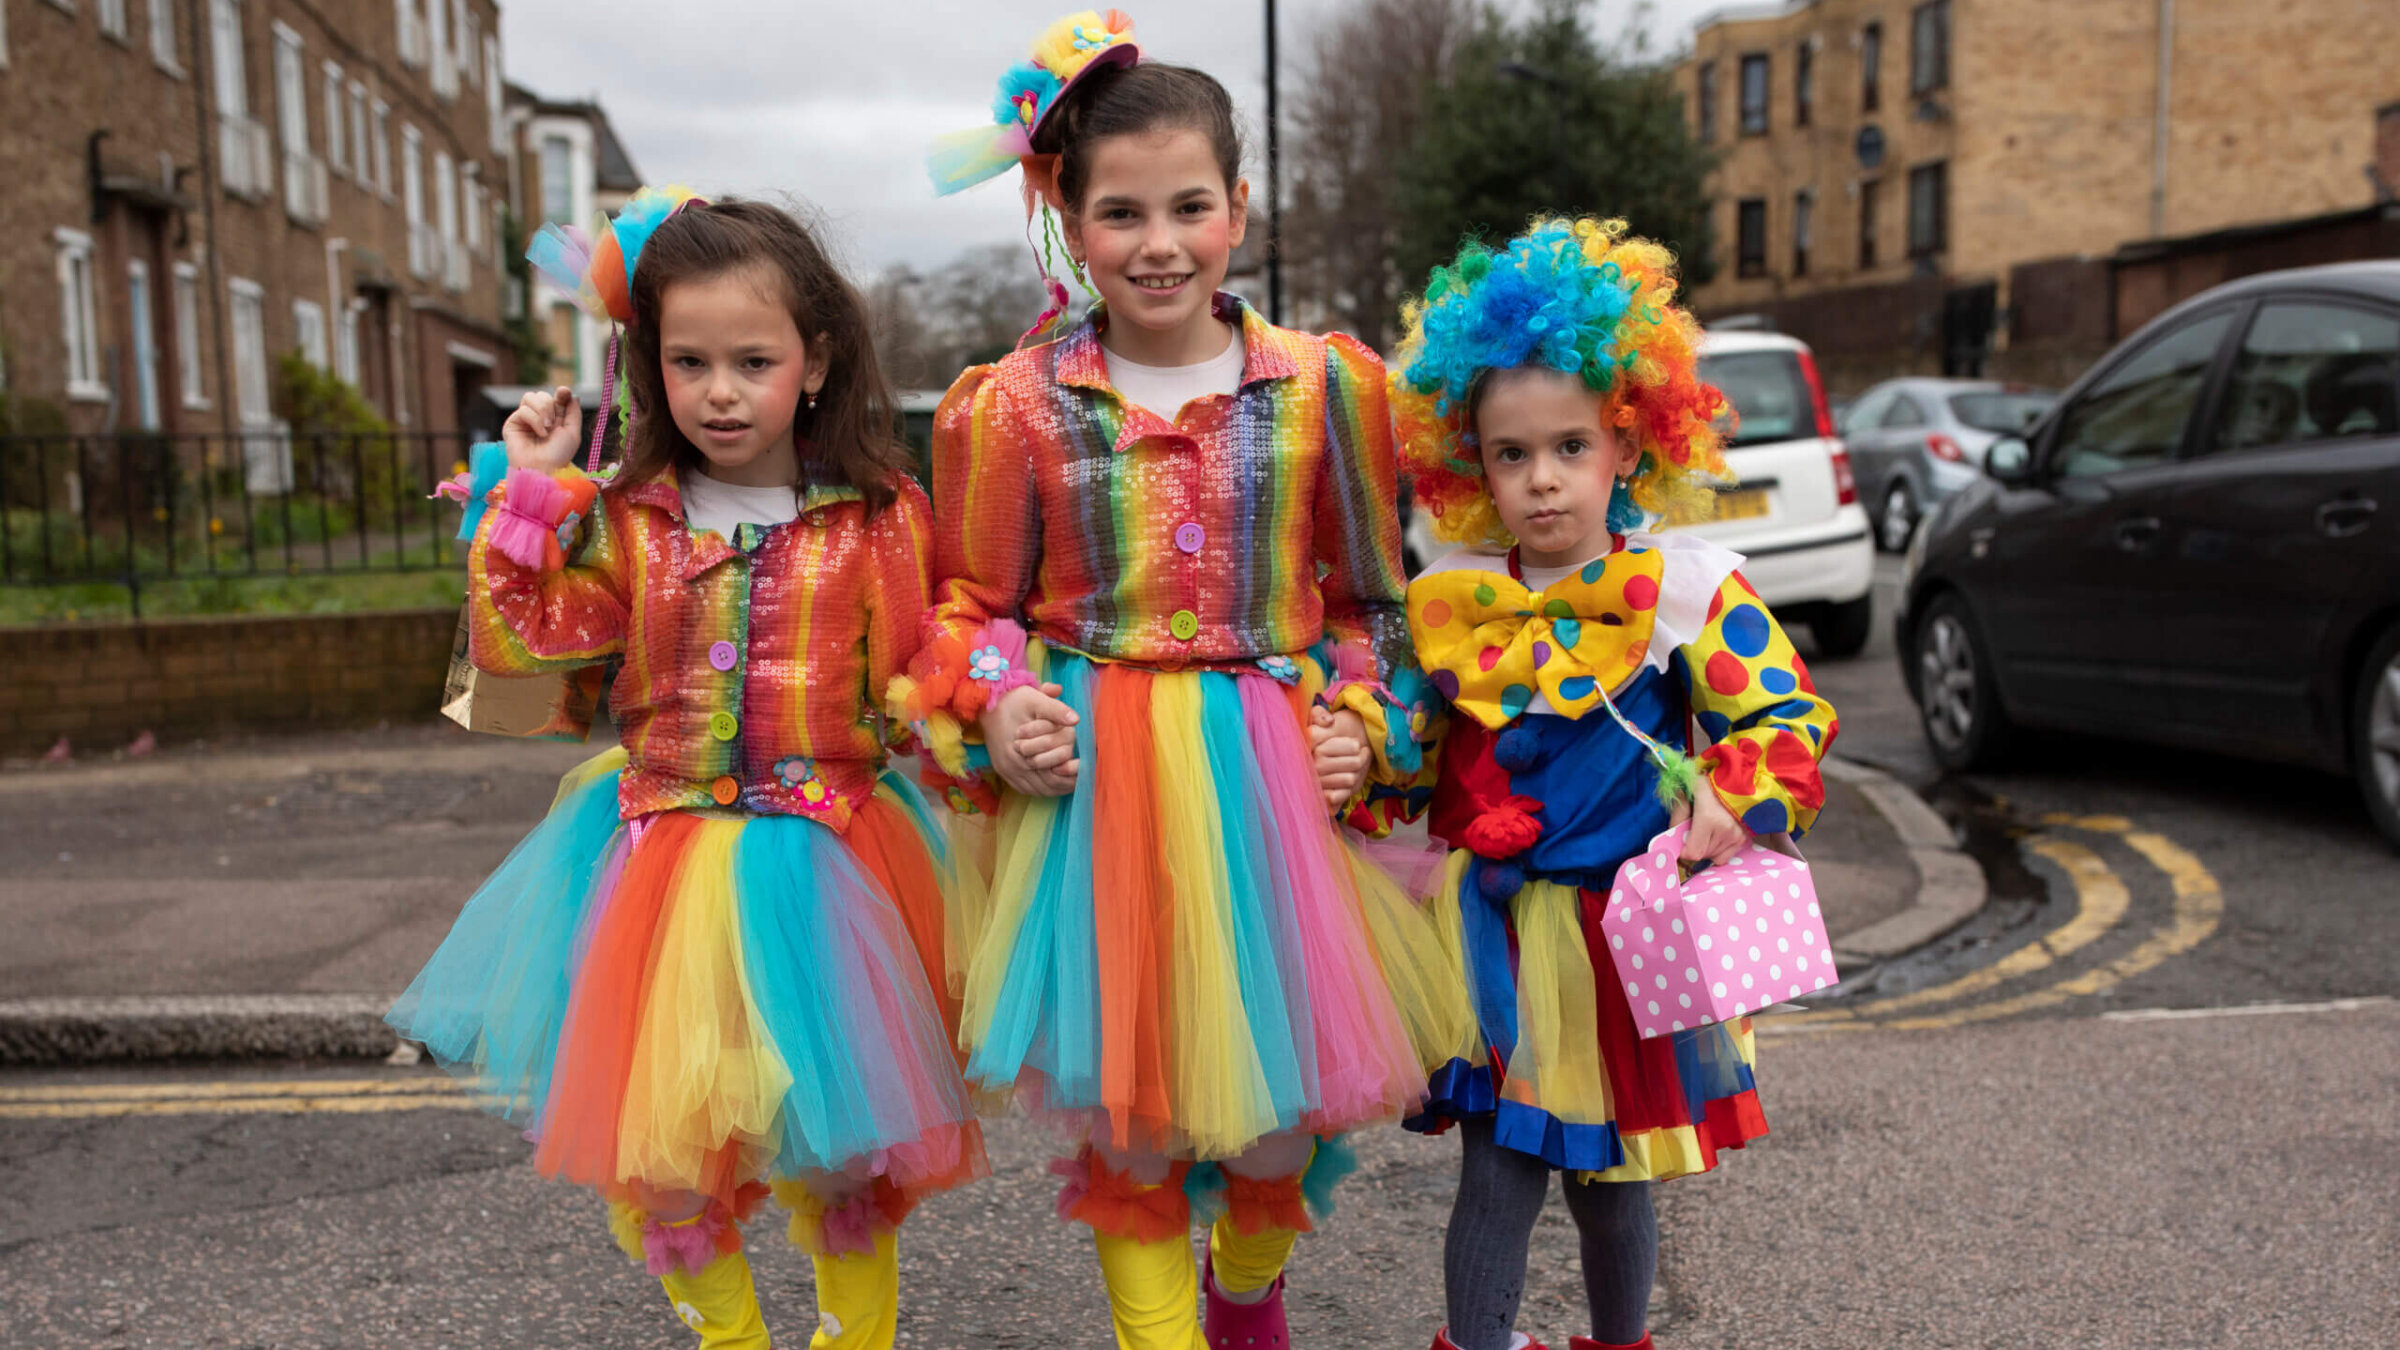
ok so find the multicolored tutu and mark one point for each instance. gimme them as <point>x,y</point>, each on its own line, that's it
<point>697,1001</point>
<point>1185,954</point>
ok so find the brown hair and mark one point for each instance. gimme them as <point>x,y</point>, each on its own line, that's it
<point>849,434</point>
<point>1132,100</point>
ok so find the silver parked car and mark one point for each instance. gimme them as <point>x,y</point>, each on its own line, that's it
<point>1914,442</point>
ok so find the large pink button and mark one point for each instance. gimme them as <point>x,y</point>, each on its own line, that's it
<point>722,655</point>
<point>1189,536</point>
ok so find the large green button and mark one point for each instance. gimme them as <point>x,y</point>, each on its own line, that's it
<point>723,726</point>
<point>1184,624</point>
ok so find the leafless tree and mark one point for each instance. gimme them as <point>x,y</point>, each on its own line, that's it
<point>1360,95</point>
<point>930,326</point>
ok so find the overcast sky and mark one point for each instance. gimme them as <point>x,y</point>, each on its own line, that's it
<point>836,101</point>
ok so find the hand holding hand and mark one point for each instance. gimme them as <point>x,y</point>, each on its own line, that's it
<point>1031,738</point>
<point>542,433</point>
<point>1339,742</point>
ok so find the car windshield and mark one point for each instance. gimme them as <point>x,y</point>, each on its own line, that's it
<point>1995,410</point>
<point>1767,390</point>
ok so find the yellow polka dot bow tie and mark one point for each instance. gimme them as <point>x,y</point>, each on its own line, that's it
<point>1489,644</point>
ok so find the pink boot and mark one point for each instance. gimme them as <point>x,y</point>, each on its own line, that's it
<point>1227,1325</point>
<point>1587,1343</point>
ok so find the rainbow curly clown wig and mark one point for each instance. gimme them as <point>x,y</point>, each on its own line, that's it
<point>1576,296</point>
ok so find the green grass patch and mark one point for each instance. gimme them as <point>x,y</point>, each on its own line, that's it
<point>312,593</point>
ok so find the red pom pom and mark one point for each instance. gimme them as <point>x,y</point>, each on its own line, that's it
<point>1505,830</point>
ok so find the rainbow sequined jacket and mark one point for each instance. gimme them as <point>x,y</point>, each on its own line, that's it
<point>1247,533</point>
<point>749,664</point>
<point>1687,652</point>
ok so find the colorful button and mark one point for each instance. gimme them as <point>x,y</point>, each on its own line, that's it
<point>723,655</point>
<point>1184,624</point>
<point>1189,536</point>
<point>723,726</point>
<point>725,790</point>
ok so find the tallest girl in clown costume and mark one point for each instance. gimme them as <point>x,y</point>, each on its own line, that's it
<point>1167,560</point>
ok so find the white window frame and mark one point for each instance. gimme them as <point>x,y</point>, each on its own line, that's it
<point>345,341</point>
<point>3,37</point>
<point>310,337</point>
<point>248,311</point>
<point>79,316</point>
<point>437,44</point>
<point>412,197</point>
<point>113,20</point>
<point>141,318</point>
<point>462,32</point>
<point>189,371</point>
<point>337,137</point>
<point>362,161</point>
<point>382,114</point>
<point>412,30</point>
<point>495,93</point>
<point>304,189</point>
<point>470,184</point>
<point>163,47</point>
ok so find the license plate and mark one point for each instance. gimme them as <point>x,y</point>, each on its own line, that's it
<point>1732,504</point>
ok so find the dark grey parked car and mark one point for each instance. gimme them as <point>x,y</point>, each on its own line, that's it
<point>1914,442</point>
<point>2199,544</point>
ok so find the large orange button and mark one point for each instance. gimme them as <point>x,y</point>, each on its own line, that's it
<point>725,790</point>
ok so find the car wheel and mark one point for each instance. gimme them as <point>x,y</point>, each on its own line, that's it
<point>1956,701</point>
<point>1897,522</point>
<point>1842,630</point>
<point>2375,736</point>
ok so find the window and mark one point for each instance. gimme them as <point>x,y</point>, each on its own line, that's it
<point>383,148</point>
<point>412,196</point>
<point>162,35</point>
<point>1707,95</point>
<point>241,142</point>
<point>192,387</point>
<point>112,18</point>
<point>437,48</point>
<point>1754,95</point>
<point>1870,67</point>
<point>558,181</point>
<point>345,342</point>
<point>303,174</point>
<point>361,162</point>
<point>412,32</point>
<point>470,185</point>
<point>144,344</point>
<point>337,144</point>
<point>2311,372</point>
<point>308,332</point>
<point>1751,237</point>
<point>495,94</point>
<point>462,29</point>
<point>79,317</point>
<point>1903,413</point>
<point>1804,82</point>
<point>1928,210</point>
<point>250,352</point>
<point>1929,47</point>
<point>445,199</point>
<point>1804,224</point>
<point>1770,396</point>
<point>2135,415</point>
<point>1868,192</point>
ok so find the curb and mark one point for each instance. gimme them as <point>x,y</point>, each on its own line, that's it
<point>1950,886</point>
<point>56,1031</point>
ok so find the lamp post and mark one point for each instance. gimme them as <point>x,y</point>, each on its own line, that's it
<point>1274,185</point>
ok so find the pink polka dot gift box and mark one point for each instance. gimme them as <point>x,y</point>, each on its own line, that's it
<point>1732,940</point>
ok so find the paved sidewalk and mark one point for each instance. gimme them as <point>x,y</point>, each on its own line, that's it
<point>309,878</point>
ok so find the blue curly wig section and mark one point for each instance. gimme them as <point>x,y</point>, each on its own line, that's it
<point>1540,302</point>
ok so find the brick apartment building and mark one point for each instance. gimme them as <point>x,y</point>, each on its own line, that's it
<point>196,187</point>
<point>1906,182</point>
<point>570,168</point>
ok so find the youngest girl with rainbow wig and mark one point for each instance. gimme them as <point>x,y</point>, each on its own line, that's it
<point>1548,399</point>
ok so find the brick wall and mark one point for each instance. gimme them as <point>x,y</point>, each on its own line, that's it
<point>103,684</point>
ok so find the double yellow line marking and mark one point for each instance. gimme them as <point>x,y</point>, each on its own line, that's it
<point>2101,901</point>
<point>338,1096</point>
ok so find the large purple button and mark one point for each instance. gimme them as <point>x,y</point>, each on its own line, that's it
<point>722,655</point>
<point>1189,536</point>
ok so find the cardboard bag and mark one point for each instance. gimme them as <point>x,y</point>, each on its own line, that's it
<point>1733,941</point>
<point>555,707</point>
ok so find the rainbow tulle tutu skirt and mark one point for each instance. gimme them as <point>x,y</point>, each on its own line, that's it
<point>696,1001</point>
<point>1559,1065</point>
<point>1184,954</point>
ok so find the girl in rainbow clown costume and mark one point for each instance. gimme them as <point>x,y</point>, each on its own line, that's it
<point>1167,620</point>
<point>717,967</point>
<point>1549,403</point>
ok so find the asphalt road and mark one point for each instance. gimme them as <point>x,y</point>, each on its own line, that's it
<point>2151,1098</point>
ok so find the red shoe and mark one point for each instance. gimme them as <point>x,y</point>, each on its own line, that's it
<point>1227,1325</point>
<point>1587,1343</point>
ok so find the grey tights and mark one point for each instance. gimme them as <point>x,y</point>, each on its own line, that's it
<point>1500,1194</point>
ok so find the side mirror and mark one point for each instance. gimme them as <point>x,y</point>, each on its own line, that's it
<point>2010,461</point>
